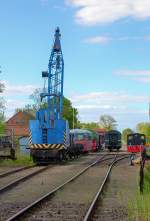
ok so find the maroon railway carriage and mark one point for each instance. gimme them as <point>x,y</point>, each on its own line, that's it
<point>135,142</point>
<point>82,139</point>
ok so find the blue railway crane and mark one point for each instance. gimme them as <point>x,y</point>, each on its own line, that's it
<point>49,133</point>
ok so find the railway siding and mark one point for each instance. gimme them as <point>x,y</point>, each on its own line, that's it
<point>113,206</point>
<point>16,178</point>
<point>73,196</point>
<point>12,171</point>
<point>30,190</point>
<point>71,202</point>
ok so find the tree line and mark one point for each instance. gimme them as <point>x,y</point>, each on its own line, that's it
<point>71,114</point>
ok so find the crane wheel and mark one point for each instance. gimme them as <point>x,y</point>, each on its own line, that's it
<point>61,156</point>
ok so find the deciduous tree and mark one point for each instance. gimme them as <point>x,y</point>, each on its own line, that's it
<point>107,122</point>
<point>125,132</point>
<point>91,125</point>
<point>69,112</point>
<point>143,127</point>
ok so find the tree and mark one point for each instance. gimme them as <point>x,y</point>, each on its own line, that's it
<point>91,125</point>
<point>107,122</point>
<point>35,97</point>
<point>144,128</point>
<point>125,132</point>
<point>29,108</point>
<point>69,112</point>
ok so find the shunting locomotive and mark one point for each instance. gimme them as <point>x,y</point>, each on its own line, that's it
<point>112,140</point>
<point>136,142</point>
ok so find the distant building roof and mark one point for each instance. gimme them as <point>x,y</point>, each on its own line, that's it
<point>18,124</point>
<point>25,113</point>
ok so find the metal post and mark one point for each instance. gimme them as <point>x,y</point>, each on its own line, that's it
<point>12,150</point>
<point>143,156</point>
<point>12,137</point>
<point>73,118</point>
<point>141,177</point>
<point>149,111</point>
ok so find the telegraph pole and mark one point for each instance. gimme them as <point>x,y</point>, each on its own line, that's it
<point>73,118</point>
<point>1,85</point>
<point>149,111</point>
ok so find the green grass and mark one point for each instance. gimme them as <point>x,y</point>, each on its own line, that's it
<point>22,160</point>
<point>139,208</point>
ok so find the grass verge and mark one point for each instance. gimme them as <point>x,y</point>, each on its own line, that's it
<point>139,208</point>
<point>22,160</point>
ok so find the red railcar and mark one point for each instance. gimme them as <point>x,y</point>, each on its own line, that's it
<point>135,142</point>
<point>94,145</point>
<point>82,138</point>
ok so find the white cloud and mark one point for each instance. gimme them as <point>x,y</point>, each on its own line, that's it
<point>137,75</point>
<point>17,96</point>
<point>12,104</point>
<point>107,98</point>
<point>44,2</point>
<point>147,38</point>
<point>127,109</point>
<point>12,89</point>
<point>92,12</point>
<point>98,40</point>
<point>143,79</point>
<point>101,39</point>
<point>133,72</point>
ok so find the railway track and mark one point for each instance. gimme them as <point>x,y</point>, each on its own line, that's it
<point>13,178</point>
<point>90,214</point>
<point>48,203</point>
<point>14,171</point>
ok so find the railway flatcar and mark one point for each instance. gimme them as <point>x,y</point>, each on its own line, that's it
<point>82,139</point>
<point>112,140</point>
<point>136,142</point>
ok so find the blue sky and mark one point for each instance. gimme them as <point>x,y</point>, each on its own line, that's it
<point>106,46</point>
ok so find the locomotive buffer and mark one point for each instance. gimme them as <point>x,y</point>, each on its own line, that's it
<point>49,133</point>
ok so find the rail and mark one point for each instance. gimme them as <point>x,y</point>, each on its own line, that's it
<point>36,203</point>
<point>92,207</point>
<point>14,171</point>
<point>12,184</point>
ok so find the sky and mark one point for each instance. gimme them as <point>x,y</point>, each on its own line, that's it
<point>105,44</point>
